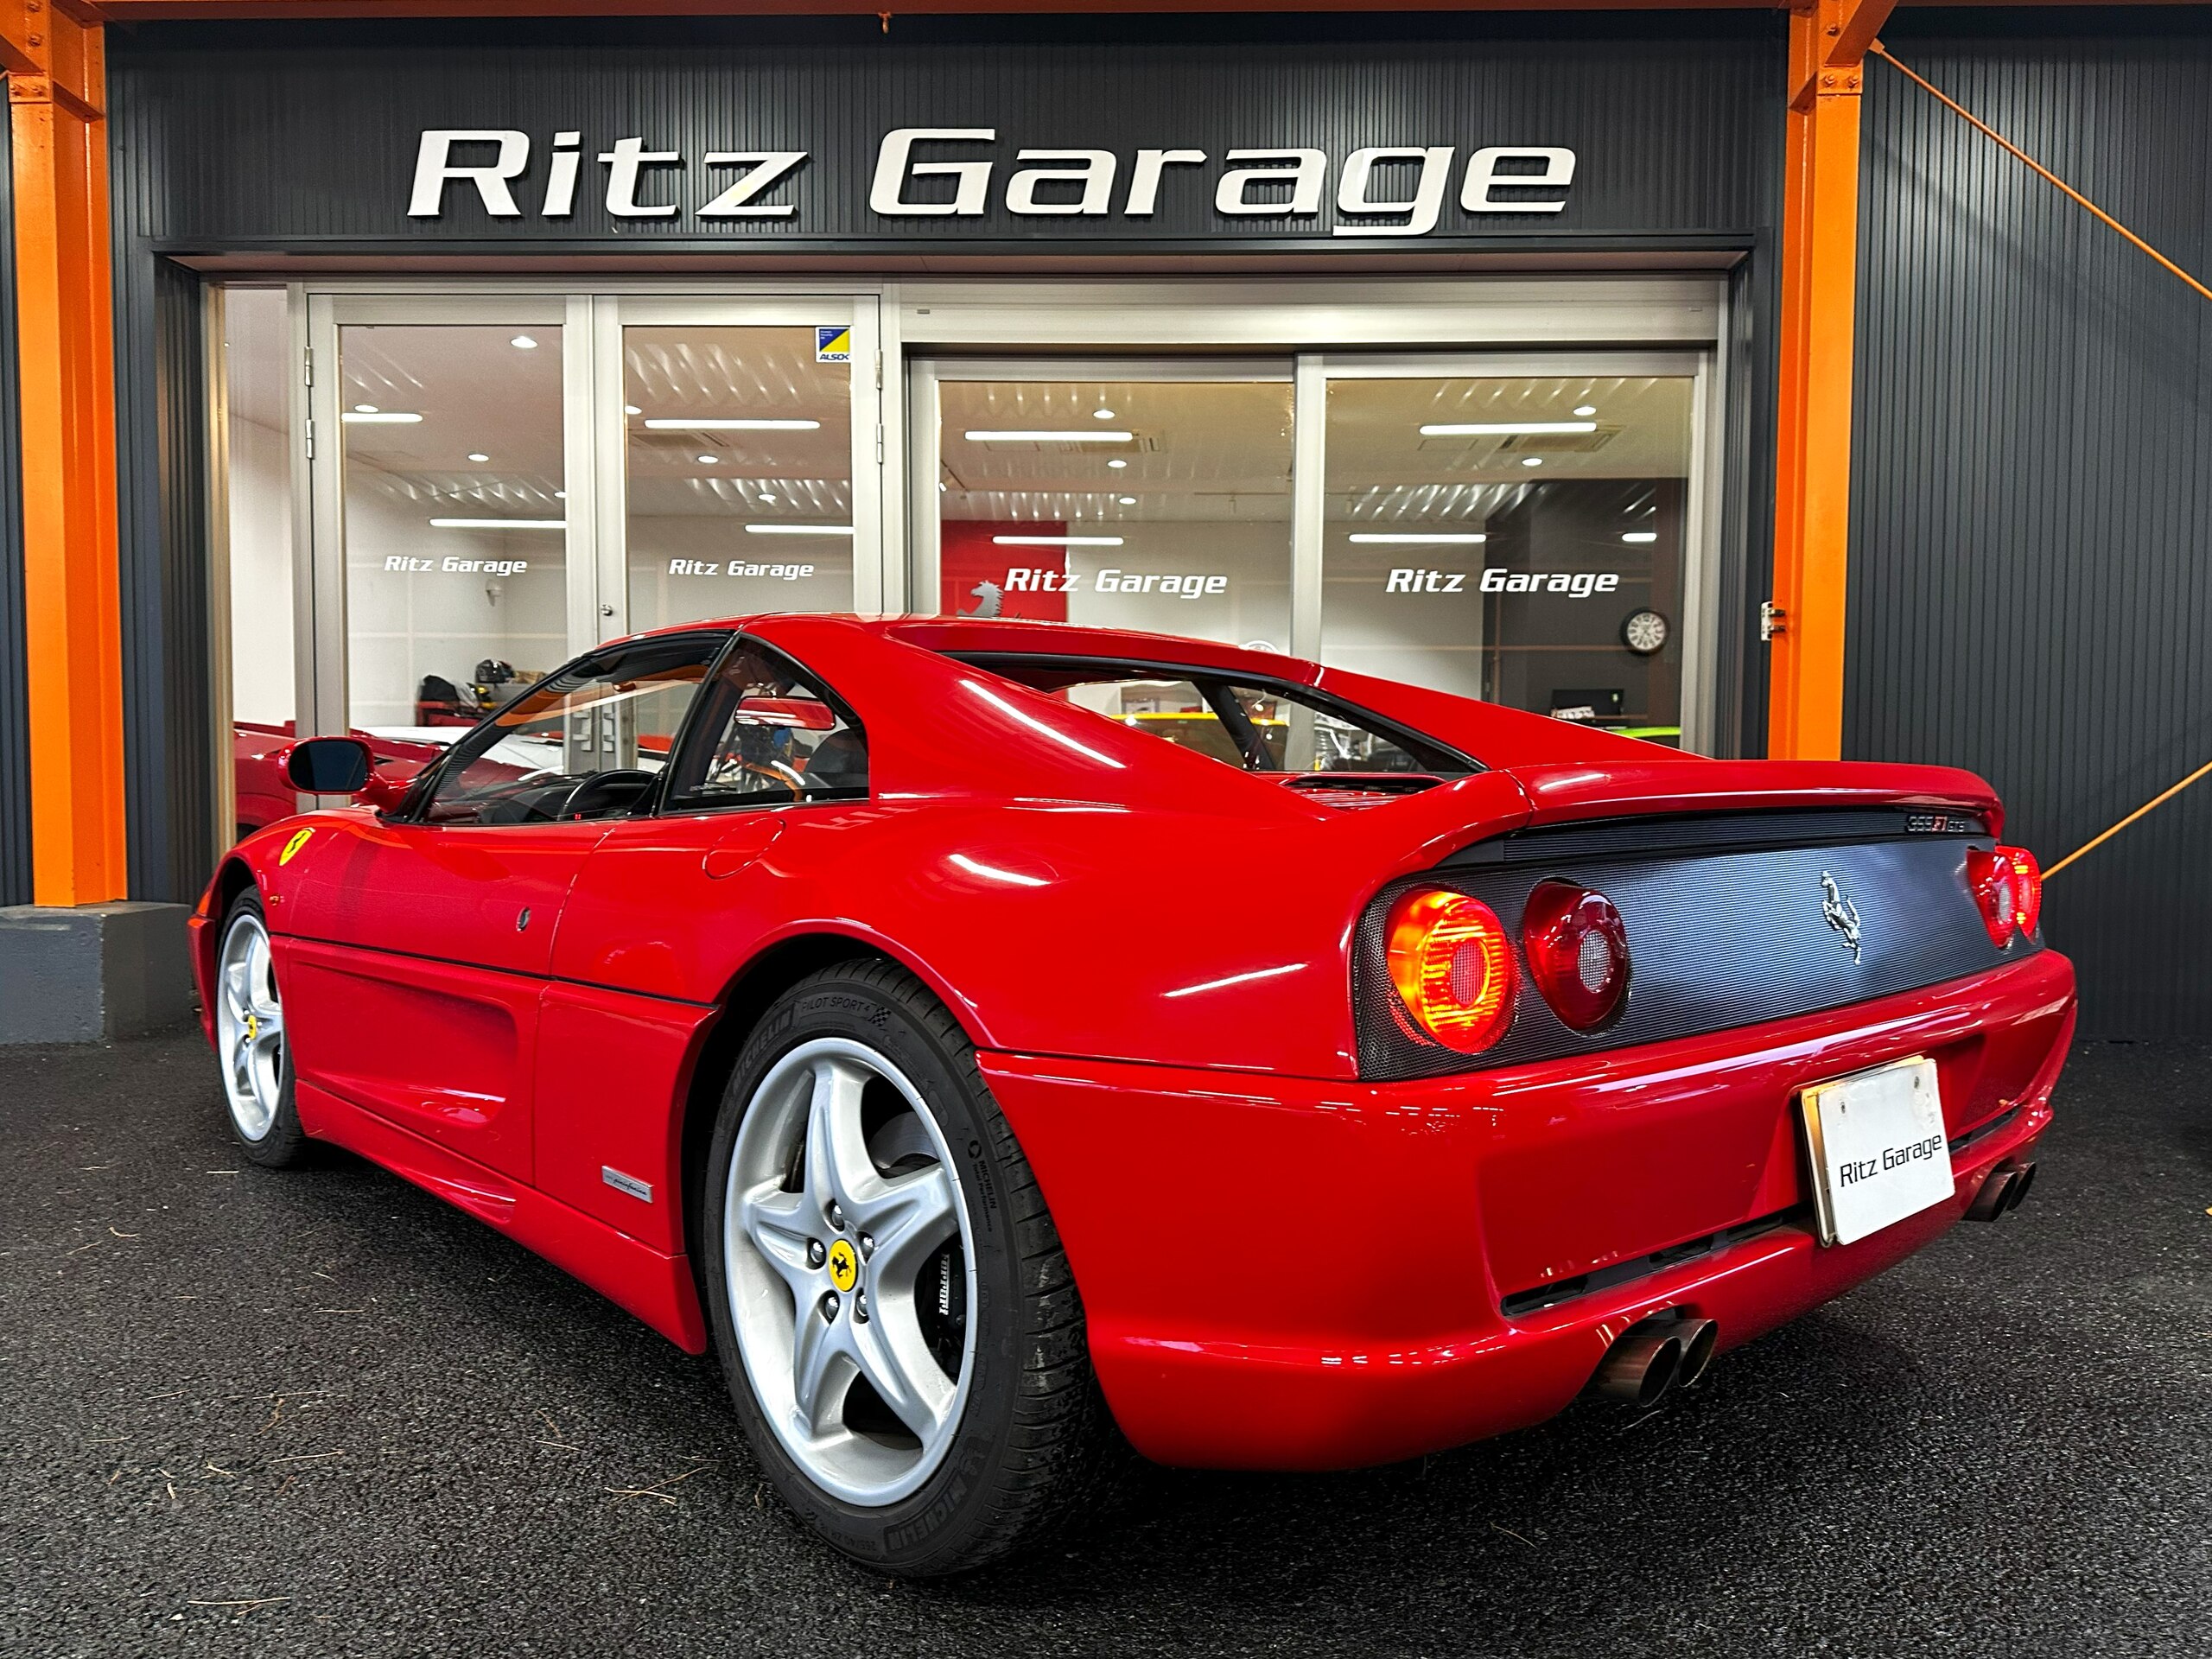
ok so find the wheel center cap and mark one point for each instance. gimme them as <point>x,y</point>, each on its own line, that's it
<point>844,1265</point>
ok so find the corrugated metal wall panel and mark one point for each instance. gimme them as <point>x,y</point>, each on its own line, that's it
<point>2032,503</point>
<point>161,465</point>
<point>274,137</point>
<point>14,713</point>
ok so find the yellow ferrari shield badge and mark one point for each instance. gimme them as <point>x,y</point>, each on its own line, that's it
<point>844,1266</point>
<point>294,846</point>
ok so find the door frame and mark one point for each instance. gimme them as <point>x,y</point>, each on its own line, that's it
<point>1310,373</point>
<point>924,375</point>
<point>595,434</point>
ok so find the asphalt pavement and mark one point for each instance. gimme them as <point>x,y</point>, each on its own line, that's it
<point>318,1412</point>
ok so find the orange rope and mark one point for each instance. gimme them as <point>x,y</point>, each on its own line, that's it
<point>2012,150</point>
<point>2157,801</point>
<point>1876,49</point>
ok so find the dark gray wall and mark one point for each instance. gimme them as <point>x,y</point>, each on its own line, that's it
<point>2031,574</point>
<point>302,138</point>
<point>14,713</point>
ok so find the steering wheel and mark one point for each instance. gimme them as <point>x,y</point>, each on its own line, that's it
<point>606,791</point>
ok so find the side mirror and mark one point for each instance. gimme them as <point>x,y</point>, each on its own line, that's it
<point>329,765</point>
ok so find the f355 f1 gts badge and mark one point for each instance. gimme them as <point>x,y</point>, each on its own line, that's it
<point>1839,913</point>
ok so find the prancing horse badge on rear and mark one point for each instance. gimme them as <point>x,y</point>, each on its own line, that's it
<point>1839,912</point>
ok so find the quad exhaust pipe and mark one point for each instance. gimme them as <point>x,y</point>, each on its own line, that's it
<point>1655,1355</point>
<point>2002,1189</point>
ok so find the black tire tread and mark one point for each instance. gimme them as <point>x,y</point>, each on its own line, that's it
<point>286,1144</point>
<point>1062,1453</point>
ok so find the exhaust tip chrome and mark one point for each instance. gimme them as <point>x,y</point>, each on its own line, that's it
<point>1699,1339</point>
<point>2002,1189</point>
<point>1639,1368</point>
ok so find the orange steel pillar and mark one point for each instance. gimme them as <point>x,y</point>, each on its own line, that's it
<point>1819,254</point>
<point>65,345</point>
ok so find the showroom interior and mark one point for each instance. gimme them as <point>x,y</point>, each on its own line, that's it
<point>1801,380</point>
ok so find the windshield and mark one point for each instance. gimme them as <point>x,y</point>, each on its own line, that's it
<point>1238,721</point>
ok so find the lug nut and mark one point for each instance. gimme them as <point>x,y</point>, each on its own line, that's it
<point>836,1217</point>
<point>815,1256</point>
<point>829,1305</point>
<point>859,1307</point>
<point>867,1245</point>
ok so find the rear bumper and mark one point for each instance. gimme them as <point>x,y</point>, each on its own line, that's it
<point>1296,1273</point>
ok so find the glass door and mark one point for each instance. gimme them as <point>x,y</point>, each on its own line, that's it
<point>445,569</point>
<point>1531,530</point>
<point>740,451</point>
<point>497,484</point>
<point>1154,495</point>
<point>1523,532</point>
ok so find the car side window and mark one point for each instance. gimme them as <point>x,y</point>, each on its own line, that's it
<point>587,741</point>
<point>768,733</point>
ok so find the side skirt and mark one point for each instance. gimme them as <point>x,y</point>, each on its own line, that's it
<point>655,1287</point>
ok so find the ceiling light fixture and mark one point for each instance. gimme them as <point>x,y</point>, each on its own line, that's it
<point>1639,536</point>
<point>1056,541</point>
<point>710,461</point>
<point>478,455</point>
<point>766,496</point>
<point>1127,501</point>
<point>1117,463</point>
<point>744,425</point>
<point>365,409</point>
<point>523,343</point>
<point>1503,429</point>
<point>499,524</point>
<point>1078,435</point>
<point>1532,460</point>
<point>379,417</point>
<point>1102,414</point>
<point>1586,409</point>
<point>799,530</point>
<point>560,495</point>
<point>1456,537</point>
<point>631,409</point>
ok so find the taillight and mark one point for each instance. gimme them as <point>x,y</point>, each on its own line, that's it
<point>1452,968</point>
<point>2027,888</point>
<point>2007,884</point>
<point>1577,947</point>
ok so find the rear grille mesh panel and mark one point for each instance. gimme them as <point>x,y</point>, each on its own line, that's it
<point>1719,939</point>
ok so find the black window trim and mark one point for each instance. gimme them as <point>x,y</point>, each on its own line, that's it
<point>662,807</point>
<point>1200,674</point>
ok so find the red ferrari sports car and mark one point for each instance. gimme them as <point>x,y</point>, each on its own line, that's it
<point>988,1038</point>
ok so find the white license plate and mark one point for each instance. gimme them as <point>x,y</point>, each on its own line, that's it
<point>1880,1153</point>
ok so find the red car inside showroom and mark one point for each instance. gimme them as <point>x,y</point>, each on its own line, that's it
<point>1085,828</point>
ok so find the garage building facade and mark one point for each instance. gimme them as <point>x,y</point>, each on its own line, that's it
<point>1454,347</point>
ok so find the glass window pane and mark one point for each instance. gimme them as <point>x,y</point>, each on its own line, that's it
<point>776,740</point>
<point>1258,728</point>
<point>740,466</point>
<point>456,571</point>
<point>1513,539</point>
<point>586,742</point>
<point>1161,505</point>
<point>257,492</point>
<point>1174,709</point>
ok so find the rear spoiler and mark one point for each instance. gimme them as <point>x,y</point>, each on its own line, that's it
<point>1417,831</point>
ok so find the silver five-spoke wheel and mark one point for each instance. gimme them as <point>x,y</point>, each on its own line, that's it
<point>250,1027</point>
<point>850,1271</point>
